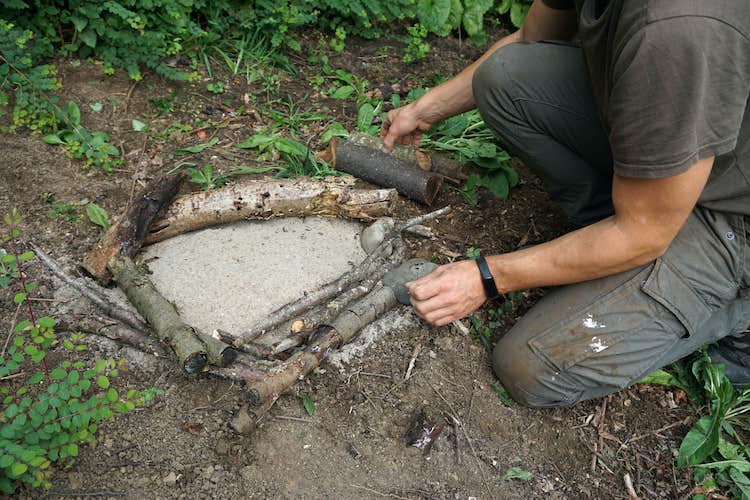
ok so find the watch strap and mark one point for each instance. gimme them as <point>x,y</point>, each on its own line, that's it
<point>488,281</point>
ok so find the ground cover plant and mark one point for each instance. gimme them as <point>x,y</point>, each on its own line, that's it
<point>222,90</point>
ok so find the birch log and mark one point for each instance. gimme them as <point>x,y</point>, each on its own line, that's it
<point>264,198</point>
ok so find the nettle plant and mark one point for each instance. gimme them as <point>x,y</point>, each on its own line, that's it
<point>47,412</point>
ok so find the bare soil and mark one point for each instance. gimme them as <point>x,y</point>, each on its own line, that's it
<point>354,445</point>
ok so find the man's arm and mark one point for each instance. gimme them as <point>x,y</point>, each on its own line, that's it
<point>648,215</point>
<point>406,124</point>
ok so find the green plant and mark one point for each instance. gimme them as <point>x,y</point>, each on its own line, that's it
<point>79,143</point>
<point>47,412</point>
<point>347,84</point>
<point>98,215</point>
<point>517,9</point>
<point>416,48</point>
<point>215,87</point>
<point>67,211</point>
<point>473,253</point>
<point>297,159</point>
<point>206,179</point>
<point>337,42</point>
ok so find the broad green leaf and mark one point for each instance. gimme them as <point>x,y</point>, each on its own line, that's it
<point>138,125</point>
<point>474,11</point>
<point>53,139</point>
<point>256,141</point>
<point>58,374</point>
<point>98,215</point>
<point>46,322</point>
<point>365,116</point>
<point>19,297</point>
<point>102,382</point>
<point>659,377</point>
<point>18,468</point>
<point>343,92</point>
<point>308,404</point>
<point>89,37</point>
<point>198,148</point>
<point>741,481</point>
<point>700,442</point>
<point>335,129</point>
<point>433,14</point>
<point>504,6</point>
<point>518,473</point>
<point>518,13</point>
<point>112,395</point>
<point>6,461</point>
<point>74,114</point>
<point>96,107</point>
<point>496,183</point>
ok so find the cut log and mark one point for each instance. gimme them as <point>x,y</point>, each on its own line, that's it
<point>452,171</point>
<point>264,198</point>
<point>125,237</point>
<point>377,167</point>
<point>160,313</point>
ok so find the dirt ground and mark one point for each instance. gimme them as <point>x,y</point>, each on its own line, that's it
<point>354,445</point>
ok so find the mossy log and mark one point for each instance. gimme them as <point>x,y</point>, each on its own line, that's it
<point>382,169</point>
<point>264,198</point>
<point>191,352</point>
<point>125,237</point>
<point>452,171</point>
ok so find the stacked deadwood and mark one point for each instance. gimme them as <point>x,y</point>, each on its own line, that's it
<point>323,320</point>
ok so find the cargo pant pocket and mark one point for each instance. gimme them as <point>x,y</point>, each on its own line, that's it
<point>614,337</point>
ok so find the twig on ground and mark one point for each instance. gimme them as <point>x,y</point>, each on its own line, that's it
<point>598,445</point>
<point>521,434</point>
<point>632,495</point>
<point>414,356</point>
<point>656,432</point>
<point>110,309</point>
<point>12,376</point>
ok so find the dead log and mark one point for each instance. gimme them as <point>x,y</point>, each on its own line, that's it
<point>264,198</point>
<point>452,171</point>
<point>378,167</point>
<point>125,237</point>
<point>160,313</point>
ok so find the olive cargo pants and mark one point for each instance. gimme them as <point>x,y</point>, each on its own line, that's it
<point>590,339</point>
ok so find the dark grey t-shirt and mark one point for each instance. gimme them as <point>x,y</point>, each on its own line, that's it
<point>672,82</point>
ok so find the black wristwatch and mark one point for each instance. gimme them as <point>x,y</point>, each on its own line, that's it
<point>488,282</point>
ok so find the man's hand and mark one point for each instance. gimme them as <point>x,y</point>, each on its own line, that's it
<point>403,126</point>
<point>448,293</point>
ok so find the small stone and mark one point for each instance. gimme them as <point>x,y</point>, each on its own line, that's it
<point>208,471</point>
<point>432,354</point>
<point>109,443</point>
<point>410,270</point>
<point>171,478</point>
<point>298,326</point>
<point>375,233</point>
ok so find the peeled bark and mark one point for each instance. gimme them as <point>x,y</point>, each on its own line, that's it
<point>378,167</point>
<point>125,237</point>
<point>264,198</point>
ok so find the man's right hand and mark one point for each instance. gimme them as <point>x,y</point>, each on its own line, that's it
<point>403,126</point>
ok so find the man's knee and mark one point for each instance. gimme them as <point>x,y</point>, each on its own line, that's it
<point>528,381</point>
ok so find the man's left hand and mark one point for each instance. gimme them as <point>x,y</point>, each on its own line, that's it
<point>448,293</point>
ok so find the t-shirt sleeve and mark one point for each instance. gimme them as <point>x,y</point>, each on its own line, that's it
<point>560,4</point>
<point>679,91</point>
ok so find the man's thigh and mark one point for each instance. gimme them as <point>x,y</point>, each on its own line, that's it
<point>589,339</point>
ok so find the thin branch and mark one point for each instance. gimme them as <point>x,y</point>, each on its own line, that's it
<point>110,309</point>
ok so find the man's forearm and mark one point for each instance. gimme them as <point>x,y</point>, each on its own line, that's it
<point>595,251</point>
